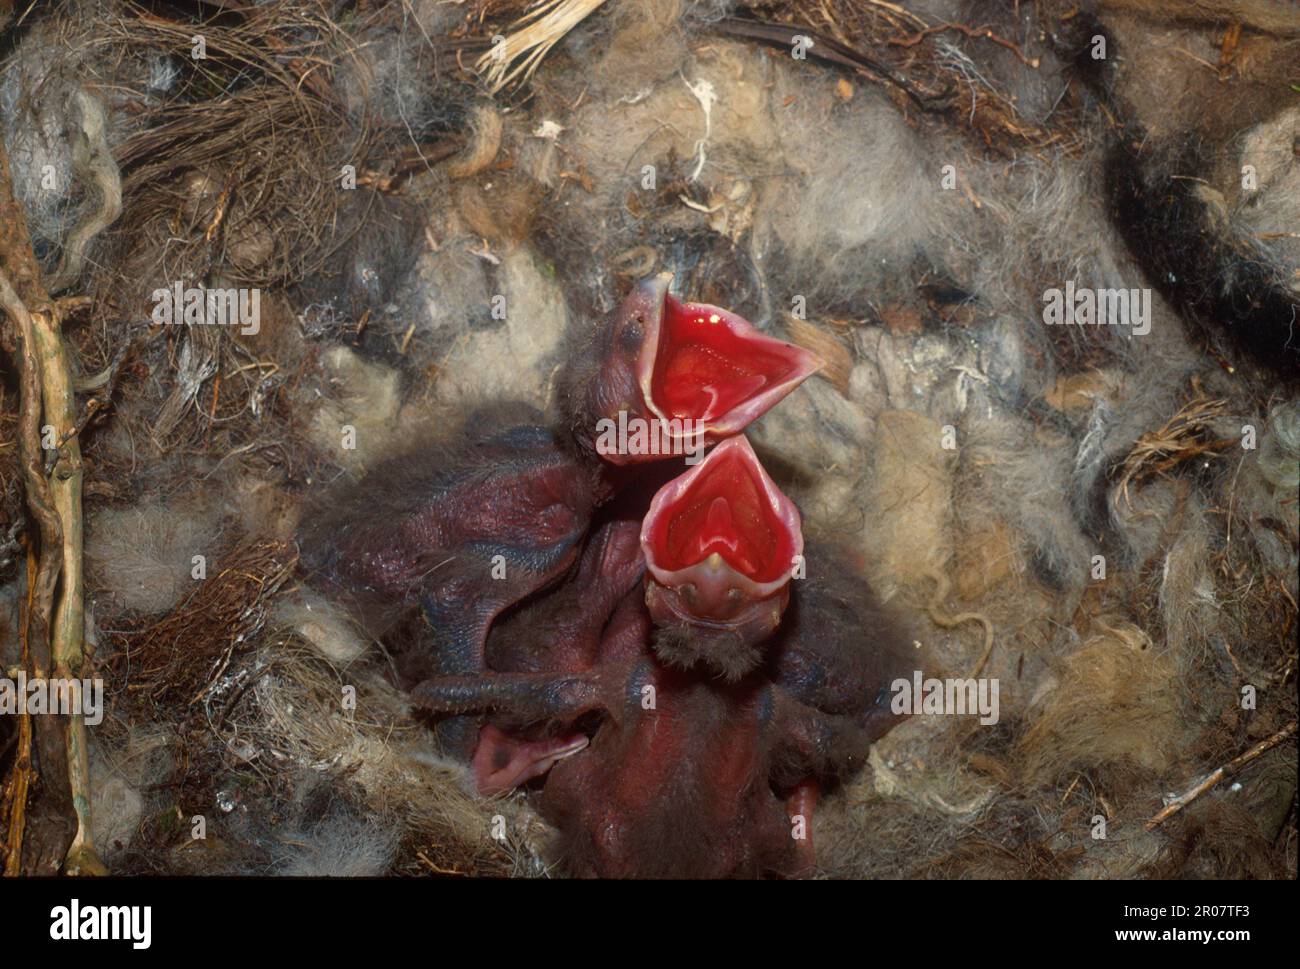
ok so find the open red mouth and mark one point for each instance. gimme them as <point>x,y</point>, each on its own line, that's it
<point>708,365</point>
<point>722,536</point>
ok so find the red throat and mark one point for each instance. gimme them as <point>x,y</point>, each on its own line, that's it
<point>709,365</point>
<point>724,511</point>
<point>727,507</point>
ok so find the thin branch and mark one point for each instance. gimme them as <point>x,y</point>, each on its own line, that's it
<point>1229,769</point>
<point>56,624</point>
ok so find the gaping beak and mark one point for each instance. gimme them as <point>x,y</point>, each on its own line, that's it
<point>702,372</point>
<point>721,543</point>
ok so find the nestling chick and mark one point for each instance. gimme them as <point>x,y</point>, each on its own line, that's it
<point>464,528</point>
<point>662,772</point>
<point>721,543</point>
<point>699,373</point>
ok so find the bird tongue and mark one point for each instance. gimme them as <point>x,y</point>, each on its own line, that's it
<point>710,528</point>
<point>707,364</point>
<point>718,534</point>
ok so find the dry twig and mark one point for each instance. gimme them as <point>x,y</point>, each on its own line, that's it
<point>517,55</point>
<point>1178,440</point>
<point>47,399</point>
<point>1230,769</point>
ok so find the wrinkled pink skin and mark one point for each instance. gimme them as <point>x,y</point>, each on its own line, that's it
<point>697,778</point>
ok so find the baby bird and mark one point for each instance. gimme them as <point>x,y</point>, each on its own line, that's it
<point>464,528</point>
<point>650,770</point>
<point>721,543</point>
<point>697,373</point>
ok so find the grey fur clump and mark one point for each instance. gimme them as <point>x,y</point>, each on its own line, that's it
<point>1279,452</point>
<point>340,845</point>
